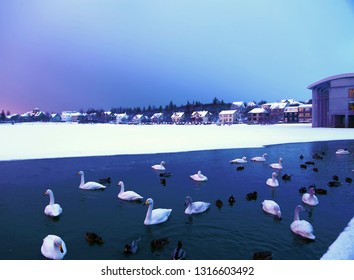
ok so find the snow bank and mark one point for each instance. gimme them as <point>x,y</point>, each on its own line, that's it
<point>54,140</point>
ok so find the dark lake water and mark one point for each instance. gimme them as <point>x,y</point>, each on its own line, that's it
<point>231,232</point>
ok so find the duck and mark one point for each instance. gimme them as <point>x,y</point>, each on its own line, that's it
<point>302,190</point>
<point>320,191</point>
<point>155,216</point>
<point>310,198</point>
<point>195,207</point>
<point>165,174</point>
<point>93,238</point>
<point>278,165</point>
<point>262,255</point>
<point>260,158</point>
<point>273,182</point>
<point>348,180</point>
<point>53,247</point>
<point>342,152</point>
<point>127,195</point>
<point>301,227</point>
<point>286,177</point>
<point>231,200</point>
<point>251,196</point>
<point>239,160</point>
<point>159,242</point>
<point>303,166</point>
<point>199,177</point>
<point>334,183</point>
<point>89,185</point>
<point>107,180</point>
<point>301,157</point>
<point>239,168</point>
<point>309,162</point>
<point>131,248</point>
<point>178,253</point>
<point>219,203</point>
<point>271,207</point>
<point>315,169</point>
<point>335,177</point>
<point>52,209</point>
<point>160,166</point>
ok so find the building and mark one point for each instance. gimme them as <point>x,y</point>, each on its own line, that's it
<point>70,116</point>
<point>228,116</point>
<point>333,101</point>
<point>291,114</point>
<point>178,117</point>
<point>157,118</point>
<point>305,113</point>
<point>122,118</point>
<point>200,117</point>
<point>258,115</point>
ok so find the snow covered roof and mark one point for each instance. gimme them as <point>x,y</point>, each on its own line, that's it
<point>238,103</point>
<point>156,115</point>
<point>227,112</point>
<point>258,111</point>
<point>178,114</point>
<point>278,105</point>
<point>201,114</point>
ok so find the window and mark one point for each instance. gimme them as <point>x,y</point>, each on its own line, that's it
<point>351,93</point>
<point>351,106</point>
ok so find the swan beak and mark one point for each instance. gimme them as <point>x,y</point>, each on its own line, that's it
<point>60,248</point>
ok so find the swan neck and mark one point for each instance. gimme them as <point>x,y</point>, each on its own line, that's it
<point>51,198</point>
<point>82,180</point>
<point>121,187</point>
<point>296,215</point>
<point>149,213</point>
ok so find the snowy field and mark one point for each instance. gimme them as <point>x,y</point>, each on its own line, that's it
<point>57,140</point>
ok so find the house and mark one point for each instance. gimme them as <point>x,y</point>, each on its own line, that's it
<point>228,116</point>
<point>276,111</point>
<point>178,117</point>
<point>122,118</point>
<point>140,118</point>
<point>291,114</point>
<point>305,113</point>
<point>157,118</point>
<point>258,115</point>
<point>333,101</point>
<point>55,117</point>
<point>200,117</point>
<point>71,116</point>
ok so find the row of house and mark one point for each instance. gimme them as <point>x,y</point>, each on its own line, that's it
<point>288,111</point>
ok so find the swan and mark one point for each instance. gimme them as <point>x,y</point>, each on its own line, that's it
<point>199,177</point>
<point>310,198</point>
<point>271,207</point>
<point>273,182</point>
<point>261,158</point>
<point>155,216</point>
<point>53,247</point>
<point>239,160</point>
<point>127,195</point>
<point>52,209</point>
<point>278,165</point>
<point>89,185</point>
<point>160,166</point>
<point>342,152</point>
<point>195,207</point>
<point>301,227</point>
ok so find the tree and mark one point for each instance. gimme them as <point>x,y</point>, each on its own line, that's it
<point>2,116</point>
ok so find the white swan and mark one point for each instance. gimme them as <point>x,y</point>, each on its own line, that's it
<point>342,152</point>
<point>273,182</point>
<point>52,209</point>
<point>199,177</point>
<point>155,216</point>
<point>160,166</point>
<point>53,247</point>
<point>278,165</point>
<point>89,185</point>
<point>239,160</point>
<point>310,198</point>
<point>301,227</point>
<point>127,195</point>
<point>261,158</point>
<point>271,207</point>
<point>195,207</point>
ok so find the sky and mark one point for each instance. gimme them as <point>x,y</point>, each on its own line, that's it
<point>74,55</point>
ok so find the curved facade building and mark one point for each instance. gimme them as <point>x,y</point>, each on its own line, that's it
<point>333,101</point>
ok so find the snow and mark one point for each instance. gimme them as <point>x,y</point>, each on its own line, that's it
<point>56,140</point>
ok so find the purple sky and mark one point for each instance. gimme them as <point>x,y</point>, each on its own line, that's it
<point>70,55</point>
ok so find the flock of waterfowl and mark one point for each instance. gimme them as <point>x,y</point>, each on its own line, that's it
<point>54,247</point>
